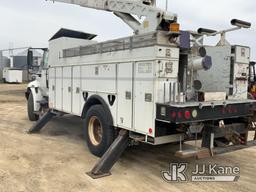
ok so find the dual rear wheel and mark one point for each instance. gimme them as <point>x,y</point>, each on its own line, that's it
<point>98,130</point>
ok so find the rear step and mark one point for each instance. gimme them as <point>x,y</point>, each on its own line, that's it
<point>231,148</point>
<point>205,153</point>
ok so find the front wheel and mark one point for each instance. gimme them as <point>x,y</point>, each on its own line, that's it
<point>98,131</point>
<point>30,108</point>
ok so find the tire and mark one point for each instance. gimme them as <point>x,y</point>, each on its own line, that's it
<point>30,107</point>
<point>98,130</point>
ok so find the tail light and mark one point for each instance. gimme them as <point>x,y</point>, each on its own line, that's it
<point>173,115</point>
<point>187,115</point>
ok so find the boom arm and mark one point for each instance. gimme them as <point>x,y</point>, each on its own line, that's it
<point>125,9</point>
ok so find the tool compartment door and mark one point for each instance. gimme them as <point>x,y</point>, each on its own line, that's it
<point>76,90</point>
<point>125,95</point>
<point>52,88</point>
<point>67,89</point>
<point>58,88</point>
<point>144,97</point>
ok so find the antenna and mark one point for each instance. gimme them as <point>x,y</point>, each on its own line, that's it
<point>166,5</point>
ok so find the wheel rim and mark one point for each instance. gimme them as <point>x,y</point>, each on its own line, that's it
<point>95,130</point>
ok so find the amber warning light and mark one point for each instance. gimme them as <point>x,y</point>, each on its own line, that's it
<point>174,27</point>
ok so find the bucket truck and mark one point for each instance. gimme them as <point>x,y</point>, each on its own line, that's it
<point>158,86</point>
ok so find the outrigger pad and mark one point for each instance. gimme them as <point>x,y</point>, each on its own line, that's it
<point>42,122</point>
<point>107,161</point>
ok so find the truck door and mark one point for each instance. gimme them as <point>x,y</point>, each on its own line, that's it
<point>67,89</point>
<point>125,95</point>
<point>76,91</point>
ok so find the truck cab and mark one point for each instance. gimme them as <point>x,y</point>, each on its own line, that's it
<point>37,89</point>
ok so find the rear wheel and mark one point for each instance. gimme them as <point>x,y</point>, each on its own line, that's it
<point>98,131</point>
<point>30,108</point>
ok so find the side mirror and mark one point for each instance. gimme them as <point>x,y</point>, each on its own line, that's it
<point>30,58</point>
<point>240,23</point>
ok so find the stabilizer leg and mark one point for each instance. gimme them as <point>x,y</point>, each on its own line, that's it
<point>206,137</point>
<point>107,161</point>
<point>42,122</point>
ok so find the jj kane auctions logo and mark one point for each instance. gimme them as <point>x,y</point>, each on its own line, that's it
<point>178,172</point>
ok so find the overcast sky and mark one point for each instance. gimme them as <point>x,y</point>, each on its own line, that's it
<point>33,22</point>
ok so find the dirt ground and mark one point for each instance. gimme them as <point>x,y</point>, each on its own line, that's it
<point>57,158</point>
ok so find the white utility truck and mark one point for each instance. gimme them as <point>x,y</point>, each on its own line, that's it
<point>161,85</point>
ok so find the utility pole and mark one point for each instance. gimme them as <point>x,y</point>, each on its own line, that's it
<point>11,49</point>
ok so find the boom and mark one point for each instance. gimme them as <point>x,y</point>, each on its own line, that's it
<point>155,18</point>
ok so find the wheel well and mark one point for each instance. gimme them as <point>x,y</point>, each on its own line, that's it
<point>27,93</point>
<point>96,100</point>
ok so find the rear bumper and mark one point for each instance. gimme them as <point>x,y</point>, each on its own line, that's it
<point>232,148</point>
<point>203,111</point>
<point>202,153</point>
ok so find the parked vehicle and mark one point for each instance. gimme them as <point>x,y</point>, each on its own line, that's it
<point>161,85</point>
<point>12,75</point>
